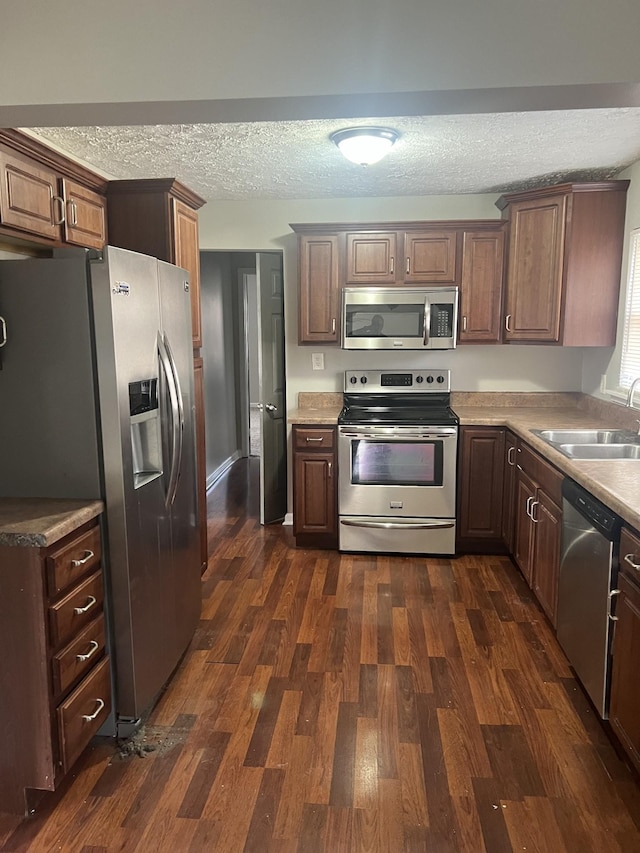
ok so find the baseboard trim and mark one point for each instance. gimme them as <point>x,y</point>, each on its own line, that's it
<point>221,470</point>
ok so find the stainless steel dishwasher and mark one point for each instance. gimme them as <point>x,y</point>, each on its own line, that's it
<point>588,573</point>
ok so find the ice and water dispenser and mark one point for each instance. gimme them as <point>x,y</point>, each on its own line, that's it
<point>144,420</point>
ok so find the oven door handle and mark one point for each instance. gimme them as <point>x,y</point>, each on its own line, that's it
<point>395,525</point>
<point>395,436</point>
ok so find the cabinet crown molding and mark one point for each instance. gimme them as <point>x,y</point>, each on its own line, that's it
<point>155,185</point>
<point>414,225</point>
<point>562,189</point>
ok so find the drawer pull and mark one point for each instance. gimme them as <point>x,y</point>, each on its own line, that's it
<point>89,717</point>
<point>94,648</point>
<point>314,439</point>
<point>88,555</point>
<point>628,558</point>
<point>90,602</point>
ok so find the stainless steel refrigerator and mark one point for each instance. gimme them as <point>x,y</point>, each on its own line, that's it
<point>96,401</point>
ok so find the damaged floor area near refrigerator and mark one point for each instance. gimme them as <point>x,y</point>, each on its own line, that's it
<point>336,702</point>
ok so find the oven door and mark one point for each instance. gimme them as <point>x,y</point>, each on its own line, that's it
<point>397,472</point>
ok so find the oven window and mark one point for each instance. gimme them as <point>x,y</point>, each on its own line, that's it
<point>398,463</point>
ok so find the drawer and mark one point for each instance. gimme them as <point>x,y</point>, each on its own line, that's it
<point>76,609</point>
<point>80,716</point>
<point>630,554</point>
<point>544,474</point>
<point>77,658</point>
<point>73,560</point>
<point>321,439</point>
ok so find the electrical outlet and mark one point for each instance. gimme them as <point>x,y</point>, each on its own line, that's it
<point>317,361</point>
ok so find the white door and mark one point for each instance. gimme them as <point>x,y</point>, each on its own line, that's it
<point>273,433</point>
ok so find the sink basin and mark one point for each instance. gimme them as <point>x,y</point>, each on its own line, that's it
<point>587,436</point>
<point>601,451</point>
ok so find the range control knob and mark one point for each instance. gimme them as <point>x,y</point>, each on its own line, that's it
<point>363,379</point>
<point>440,379</point>
<point>429,379</point>
<point>419,380</point>
<point>353,380</point>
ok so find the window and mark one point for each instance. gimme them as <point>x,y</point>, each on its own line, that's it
<point>630,363</point>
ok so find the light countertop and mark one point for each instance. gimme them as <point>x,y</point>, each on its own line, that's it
<point>39,522</point>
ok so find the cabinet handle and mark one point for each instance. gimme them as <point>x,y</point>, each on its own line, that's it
<point>628,558</point>
<point>90,602</point>
<point>533,518</point>
<point>58,198</point>
<point>3,327</point>
<point>611,594</point>
<point>506,323</point>
<point>464,323</point>
<point>329,470</point>
<point>89,717</point>
<point>93,648</point>
<point>408,265</point>
<point>392,266</point>
<point>510,459</point>
<point>74,212</point>
<point>87,556</point>
<point>333,325</point>
<point>528,507</point>
<point>314,439</point>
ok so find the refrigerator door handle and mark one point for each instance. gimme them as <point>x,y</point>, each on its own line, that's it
<point>178,388</point>
<point>175,421</point>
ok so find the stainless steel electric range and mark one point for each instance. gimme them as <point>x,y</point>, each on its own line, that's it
<point>397,452</point>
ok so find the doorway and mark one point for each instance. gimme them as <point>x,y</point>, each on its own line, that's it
<point>242,302</point>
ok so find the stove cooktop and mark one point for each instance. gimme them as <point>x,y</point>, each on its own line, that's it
<point>415,415</point>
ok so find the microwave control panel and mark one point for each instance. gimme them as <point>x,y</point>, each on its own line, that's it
<point>417,381</point>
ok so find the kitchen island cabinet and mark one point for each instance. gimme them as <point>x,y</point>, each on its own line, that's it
<point>55,679</point>
<point>565,256</point>
<point>624,711</point>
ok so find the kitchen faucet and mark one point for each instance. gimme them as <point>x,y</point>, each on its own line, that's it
<point>632,388</point>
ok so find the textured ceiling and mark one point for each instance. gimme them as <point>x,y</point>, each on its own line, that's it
<point>435,155</point>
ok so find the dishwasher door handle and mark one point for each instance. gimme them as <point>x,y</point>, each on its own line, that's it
<point>610,597</point>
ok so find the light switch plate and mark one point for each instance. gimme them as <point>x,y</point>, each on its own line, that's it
<point>317,361</point>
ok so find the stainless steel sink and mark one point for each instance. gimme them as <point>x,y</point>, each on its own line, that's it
<point>587,436</point>
<point>601,451</point>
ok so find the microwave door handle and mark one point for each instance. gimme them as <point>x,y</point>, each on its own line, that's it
<point>427,321</point>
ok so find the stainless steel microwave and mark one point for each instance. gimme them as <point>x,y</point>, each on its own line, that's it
<point>399,318</point>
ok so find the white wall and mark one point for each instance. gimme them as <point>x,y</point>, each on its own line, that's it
<point>607,362</point>
<point>263,225</point>
<point>110,52</point>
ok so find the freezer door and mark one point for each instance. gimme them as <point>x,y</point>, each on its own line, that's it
<point>183,573</point>
<point>127,321</point>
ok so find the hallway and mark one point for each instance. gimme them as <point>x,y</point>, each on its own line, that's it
<point>336,702</point>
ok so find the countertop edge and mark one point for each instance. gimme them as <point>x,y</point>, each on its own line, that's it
<point>48,524</point>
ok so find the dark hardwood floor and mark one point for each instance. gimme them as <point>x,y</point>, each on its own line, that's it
<point>352,703</point>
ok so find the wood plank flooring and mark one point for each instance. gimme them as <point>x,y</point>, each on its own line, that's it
<point>352,703</point>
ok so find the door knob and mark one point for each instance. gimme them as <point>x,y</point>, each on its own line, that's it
<point>270,407</point>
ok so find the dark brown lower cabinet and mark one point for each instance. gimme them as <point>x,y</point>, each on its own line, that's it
<point>624,710</point>
<point>480,489</point>
<point>509,489</point>
<point>538,526</point>
<point>315,487</point>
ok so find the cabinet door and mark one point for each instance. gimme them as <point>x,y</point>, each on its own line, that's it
<point>534,279</point>
<point>547,519</point>
<point>509,490</point>
<point>85,216</point>
<point>480,483</point>
<point>371,258</point>
<point>201,461</point>
<point>430,256</point>
<point>28,196</point>
<point>187,256</point>
<point>481,286</point>
<point>315,493</point>
<point>318,289</point>
<point>523,534</point>
<point>624,712</point>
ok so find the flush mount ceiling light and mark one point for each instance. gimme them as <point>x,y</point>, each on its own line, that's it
<point>364,145</point>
